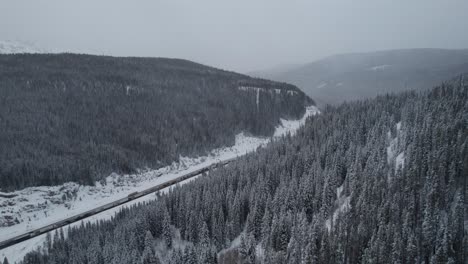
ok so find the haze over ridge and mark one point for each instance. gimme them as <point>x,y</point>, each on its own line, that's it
<point>241,35</point>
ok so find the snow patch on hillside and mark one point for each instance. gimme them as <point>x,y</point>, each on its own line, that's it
<point>400,161</point>
<point>342,205</point>
<point>339,190</point>
<point>321,85</point>
<point>235,243</point>
<point>258,99</point>
<point>393,156</point>
<point>291,126</point>
<point>34,207</point>
<point>379,67</point>
<point>258,89</point>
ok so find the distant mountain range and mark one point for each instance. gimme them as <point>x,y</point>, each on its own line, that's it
<point>361,75</point>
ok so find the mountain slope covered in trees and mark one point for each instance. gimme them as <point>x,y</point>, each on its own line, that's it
<point>69,117</point>
<point>374,181</point>
<point>354,76</point>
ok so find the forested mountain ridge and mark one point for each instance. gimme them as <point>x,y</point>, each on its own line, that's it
<point>353,76</point>
<point>374,181</point>
<point>70,117</point>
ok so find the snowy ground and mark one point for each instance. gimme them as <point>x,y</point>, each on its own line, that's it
<point>35,207</point>
<point>393,154</point>
<point>342,205</point>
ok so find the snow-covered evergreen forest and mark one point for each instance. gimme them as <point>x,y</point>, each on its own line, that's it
<point>75,117</point>
<point>377,181</point>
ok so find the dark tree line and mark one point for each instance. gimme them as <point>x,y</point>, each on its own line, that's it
<point>71,117</point>
<point>280,199</point>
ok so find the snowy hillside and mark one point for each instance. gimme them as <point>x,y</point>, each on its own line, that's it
<point>34,207</point>
<point>145,113</point>
<point>12,47</point>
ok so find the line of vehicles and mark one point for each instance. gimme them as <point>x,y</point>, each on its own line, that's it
<point>129,197</point>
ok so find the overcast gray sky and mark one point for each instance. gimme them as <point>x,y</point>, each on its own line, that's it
<point>240,35</point>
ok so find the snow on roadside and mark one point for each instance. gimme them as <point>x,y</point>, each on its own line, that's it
<point>35,207</point>
<point>17,252</point>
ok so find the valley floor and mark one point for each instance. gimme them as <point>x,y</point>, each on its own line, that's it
<point>35,207</point>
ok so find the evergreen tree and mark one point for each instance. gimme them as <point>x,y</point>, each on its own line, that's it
<point>166,228</point>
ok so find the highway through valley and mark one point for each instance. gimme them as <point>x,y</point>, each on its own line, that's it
<point>132,196</point>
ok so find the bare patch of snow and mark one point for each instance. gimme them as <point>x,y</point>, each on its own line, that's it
<point>247,88</point>
<point>379,67</point>
<point>339,190</point>
<point>291,126</point>
<point>342,203</point>
<point>258,89</point>
<point>128,88</point>
<point>234,244</point>
<point>258,99</point>
<point>393,144</point>
<point>400,160</point>
<point>321,85</point>
<point>343,206</point>
<point>395,156</point>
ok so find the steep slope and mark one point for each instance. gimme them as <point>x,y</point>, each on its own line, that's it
<point>68,117</point>
<point>363,75</point>
<point>374,181</point>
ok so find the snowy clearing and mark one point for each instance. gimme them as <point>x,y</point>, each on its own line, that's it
<point>342,205</point>
<point>393,156</point>
<point>35,207</point>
